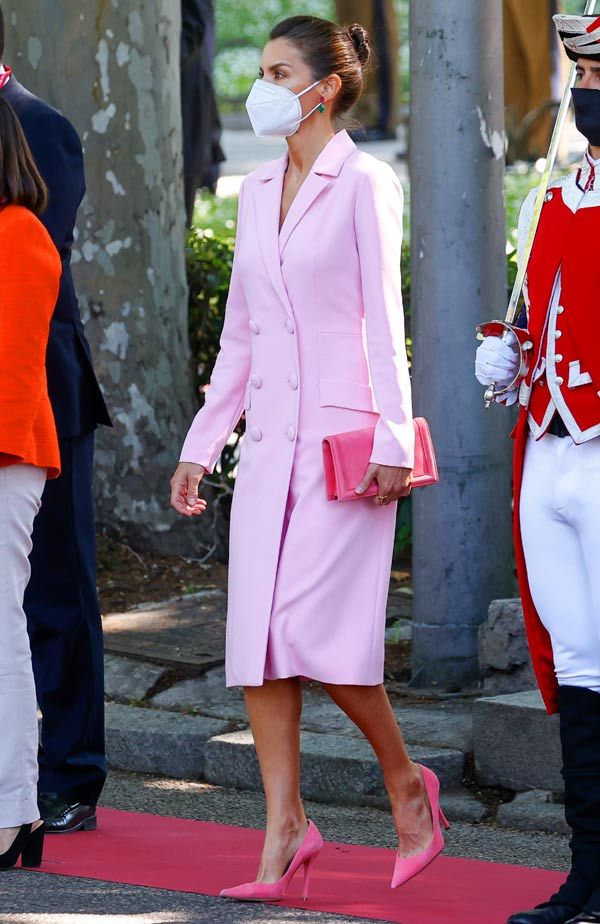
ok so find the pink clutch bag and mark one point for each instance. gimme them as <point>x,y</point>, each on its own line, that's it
<point>346,459</point>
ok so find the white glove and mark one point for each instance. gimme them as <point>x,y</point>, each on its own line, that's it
<point>509,398</point>
<point>497,361</point>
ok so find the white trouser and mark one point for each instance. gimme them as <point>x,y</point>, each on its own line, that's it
<point>560,526</point>
<point>21,489</point>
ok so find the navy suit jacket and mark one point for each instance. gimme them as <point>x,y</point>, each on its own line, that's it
<point>75,395</point>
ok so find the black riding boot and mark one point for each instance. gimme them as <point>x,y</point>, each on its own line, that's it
<point>580,738</point>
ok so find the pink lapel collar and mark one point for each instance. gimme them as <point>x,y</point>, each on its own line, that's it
<point>325,169</point>
<point>267,210</point>
<point>331,159</point>
<point>268,204</point>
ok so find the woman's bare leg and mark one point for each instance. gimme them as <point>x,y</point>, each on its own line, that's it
<point>370,709</point>
<point>274,710</point>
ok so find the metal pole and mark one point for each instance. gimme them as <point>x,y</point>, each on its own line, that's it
<point>462,542</point>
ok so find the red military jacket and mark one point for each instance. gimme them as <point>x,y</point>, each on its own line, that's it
<point>563,291</point>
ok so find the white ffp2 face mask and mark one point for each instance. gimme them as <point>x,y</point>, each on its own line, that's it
<point>274,110</point>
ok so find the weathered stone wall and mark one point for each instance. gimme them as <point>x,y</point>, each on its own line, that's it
<point>112,66</point>
<point>504,661</point>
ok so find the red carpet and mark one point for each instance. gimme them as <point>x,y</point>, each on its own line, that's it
<point>193,856</point>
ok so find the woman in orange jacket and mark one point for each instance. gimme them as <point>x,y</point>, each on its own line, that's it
<point>30,271</point>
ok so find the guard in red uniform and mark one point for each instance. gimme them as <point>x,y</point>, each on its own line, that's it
<point>557,474</point>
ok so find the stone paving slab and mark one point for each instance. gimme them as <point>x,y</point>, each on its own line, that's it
<point>533,811</point>
<point>459,805</point>
<point>447,725</point>
<point>516,743</point>
<point>335,768</point>
<point>444,726</point>
<point>187,631</point>
<point>207,695</point>
<point>126,680</point>
<point>146,741</point>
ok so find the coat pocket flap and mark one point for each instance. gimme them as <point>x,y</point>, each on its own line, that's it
<point>352,395</point>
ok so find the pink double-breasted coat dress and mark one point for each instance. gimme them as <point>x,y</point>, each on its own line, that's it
<point>312,345</point>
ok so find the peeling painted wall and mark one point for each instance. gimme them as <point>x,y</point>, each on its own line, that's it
<point>112,66</point>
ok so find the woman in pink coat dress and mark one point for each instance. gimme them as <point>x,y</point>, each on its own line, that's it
<point>312,345</point>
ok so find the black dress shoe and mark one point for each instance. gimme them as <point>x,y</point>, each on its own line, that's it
<point>64,818</point>
<point>547,914</point>
<point>586,917</point>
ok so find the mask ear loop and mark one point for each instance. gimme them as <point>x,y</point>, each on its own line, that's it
<point>320,105</point>
<point>312,86</point>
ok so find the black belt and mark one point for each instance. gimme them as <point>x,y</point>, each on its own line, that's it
<point>557,427</point>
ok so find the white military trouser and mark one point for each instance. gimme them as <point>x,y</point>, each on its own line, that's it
<point>21,489</point>
<point>560,527</point>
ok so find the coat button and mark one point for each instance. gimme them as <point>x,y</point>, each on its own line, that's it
<point>549,197</point>
<point>291,434</point>
<point>557,334</point>
<point>560,309</point>
<point>253,326</point>
<point>290,325</point>
<point>559,357</point>
<point>558,380</point>
<point>256,381</point>
<point>255,434</point>
<point>293,381</point>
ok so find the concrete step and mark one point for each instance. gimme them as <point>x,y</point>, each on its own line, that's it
<point>335,768</point>
<point>147,741</point>
<point>445,725</point>
<point>533,811</point>
<point>516,743</point>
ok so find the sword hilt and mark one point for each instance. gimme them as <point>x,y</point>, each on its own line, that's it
<point>524,346</point>
<point>489,395</point>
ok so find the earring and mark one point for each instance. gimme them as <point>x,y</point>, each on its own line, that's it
<point>322,104</point>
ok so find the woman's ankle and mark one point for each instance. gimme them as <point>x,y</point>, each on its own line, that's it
<point>287,826</point>
<point>405,786</point>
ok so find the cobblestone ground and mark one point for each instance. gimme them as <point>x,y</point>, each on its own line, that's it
<point>33,898</point>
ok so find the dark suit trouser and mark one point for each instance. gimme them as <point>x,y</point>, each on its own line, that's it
<point>65,630</point>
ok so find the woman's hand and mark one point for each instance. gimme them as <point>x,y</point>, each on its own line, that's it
<point>184,489</point>
<point>392,483</point>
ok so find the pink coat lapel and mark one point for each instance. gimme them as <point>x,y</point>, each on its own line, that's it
<point>312,187</point>
<point>268,204</point>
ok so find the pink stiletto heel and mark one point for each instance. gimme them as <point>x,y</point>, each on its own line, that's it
<point>307,871</point>
<point>305,856</point>
<point>408,867</point>
<point>444,820</point>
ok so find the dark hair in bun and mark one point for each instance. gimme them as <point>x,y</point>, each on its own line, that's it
<point>329,48</point>
<point>360,40</point>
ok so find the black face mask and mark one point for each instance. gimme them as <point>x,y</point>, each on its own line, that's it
<point>587,114</point>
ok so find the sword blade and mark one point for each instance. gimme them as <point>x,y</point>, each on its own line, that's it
<point>515,297</point>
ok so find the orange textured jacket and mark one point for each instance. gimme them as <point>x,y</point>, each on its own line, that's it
<point>30,270</point>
